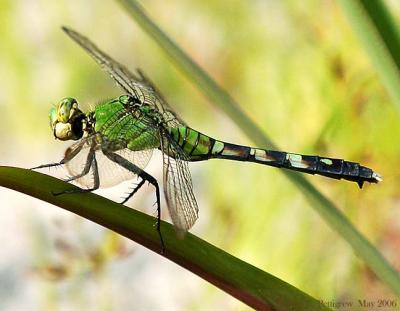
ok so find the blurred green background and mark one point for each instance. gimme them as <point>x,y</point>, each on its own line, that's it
<point>298,71</point>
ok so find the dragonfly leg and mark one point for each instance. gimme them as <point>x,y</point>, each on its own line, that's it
<point>89,160</point>
<point>145,177</point>
<point>132,193</point>
<point>69,155</point>
<point>96,183</point>
<point>48,165</point>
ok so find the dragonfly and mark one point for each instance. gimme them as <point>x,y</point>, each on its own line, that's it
<point>119,136</point>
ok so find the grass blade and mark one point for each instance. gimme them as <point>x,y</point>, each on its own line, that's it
<point>243,281</point>
<point>328,211</point>
<point>380,37</point>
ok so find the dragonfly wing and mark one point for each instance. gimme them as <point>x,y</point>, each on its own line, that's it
<point>170,116</point>
<point>110,173</point>
<point>76,165</point>
<point>138,86</point>
<point>178,186</point>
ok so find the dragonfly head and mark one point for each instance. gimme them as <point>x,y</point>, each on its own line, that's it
<point>66,120</point>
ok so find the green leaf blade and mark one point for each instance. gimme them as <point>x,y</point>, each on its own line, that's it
<point>378,33</point>
<point>243,281</point>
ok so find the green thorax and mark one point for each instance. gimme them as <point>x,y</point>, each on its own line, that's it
<point>124,124</point>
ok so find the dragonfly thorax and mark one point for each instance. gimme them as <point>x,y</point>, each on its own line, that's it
<point>140,109</point>
<point>67,121</point>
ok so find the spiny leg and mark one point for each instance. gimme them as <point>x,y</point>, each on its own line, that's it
<point>69,155</point>
<point>96,180</point>
<point>145,177</point>
<point>88,164</point>
<point>132,193</point>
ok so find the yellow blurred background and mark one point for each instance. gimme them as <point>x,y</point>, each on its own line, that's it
<point>297,70</point>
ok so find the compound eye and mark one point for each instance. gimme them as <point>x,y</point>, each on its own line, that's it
<point>53,117</point>
<point>66,109</point>
<point>66,120</point>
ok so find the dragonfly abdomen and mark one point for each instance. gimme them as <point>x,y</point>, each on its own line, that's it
<point>198,147</point>
<point>311,164</point>
<point>195,145</point>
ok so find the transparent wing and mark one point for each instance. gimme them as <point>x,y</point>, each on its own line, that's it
<point>110,173</point>
<point>178,186</point>
<point>177,181</point>
<point>138,85</point>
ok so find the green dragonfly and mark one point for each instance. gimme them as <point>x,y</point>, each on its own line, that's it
<point>116,139</point>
